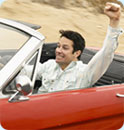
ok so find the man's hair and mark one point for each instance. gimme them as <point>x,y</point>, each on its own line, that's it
<point>78,40</point>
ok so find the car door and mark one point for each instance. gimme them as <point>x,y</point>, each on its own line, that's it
<point>18,45</point>
<point>93,108</point>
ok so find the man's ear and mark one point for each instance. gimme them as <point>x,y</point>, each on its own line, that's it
<point>77,53</point>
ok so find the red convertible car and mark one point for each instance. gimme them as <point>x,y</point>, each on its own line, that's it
<point>21,108</point>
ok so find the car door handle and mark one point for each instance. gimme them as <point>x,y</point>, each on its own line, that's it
<point>119,95</point>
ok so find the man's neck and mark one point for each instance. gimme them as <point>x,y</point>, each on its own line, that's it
<point>64,66</point>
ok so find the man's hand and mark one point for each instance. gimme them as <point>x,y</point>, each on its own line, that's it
<point>113,11</point>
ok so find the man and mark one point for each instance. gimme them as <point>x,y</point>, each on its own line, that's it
<point>66,71</point>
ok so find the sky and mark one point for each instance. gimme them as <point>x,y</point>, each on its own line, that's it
<point>1,1</point>
<point>122,1</point>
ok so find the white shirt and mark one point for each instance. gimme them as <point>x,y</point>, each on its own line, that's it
<point>78,75</point>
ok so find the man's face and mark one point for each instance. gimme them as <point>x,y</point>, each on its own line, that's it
<point>64,52</point>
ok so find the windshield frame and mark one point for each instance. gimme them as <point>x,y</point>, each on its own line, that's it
<point>22,56</point>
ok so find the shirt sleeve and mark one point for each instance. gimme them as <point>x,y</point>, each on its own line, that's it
<point>103,58</point>
<point>43,68</point>
<point>28,69</point>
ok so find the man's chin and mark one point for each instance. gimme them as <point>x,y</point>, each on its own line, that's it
<point>58,61</point>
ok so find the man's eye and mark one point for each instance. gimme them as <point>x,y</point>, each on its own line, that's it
<point>66,48</point>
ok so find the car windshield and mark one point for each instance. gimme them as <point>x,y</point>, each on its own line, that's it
<point>11,40</point>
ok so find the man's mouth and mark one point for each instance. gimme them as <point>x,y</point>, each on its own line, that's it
<point>59,56</point>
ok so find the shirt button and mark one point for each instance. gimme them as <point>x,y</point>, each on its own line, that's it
<point>52,80</point>
<point>51,88</point>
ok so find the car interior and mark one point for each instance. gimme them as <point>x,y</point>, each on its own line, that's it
<point>113,75</point>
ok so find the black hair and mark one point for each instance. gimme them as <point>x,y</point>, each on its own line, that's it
<point>78,40</point>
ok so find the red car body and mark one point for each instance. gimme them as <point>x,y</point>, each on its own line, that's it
<point>96,108</point>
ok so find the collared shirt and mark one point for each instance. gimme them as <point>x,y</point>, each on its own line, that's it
<point>55,79</point>
<point>77,74</point>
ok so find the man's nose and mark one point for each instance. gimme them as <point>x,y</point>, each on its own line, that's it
<point>59,49</point>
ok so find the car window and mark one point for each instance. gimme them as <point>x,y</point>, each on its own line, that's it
<point>31,65</point>
<point>11,40</point>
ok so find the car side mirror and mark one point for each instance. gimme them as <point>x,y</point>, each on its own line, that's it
<point>24,88</point>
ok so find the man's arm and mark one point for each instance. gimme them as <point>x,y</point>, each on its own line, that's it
<point>101,61</point>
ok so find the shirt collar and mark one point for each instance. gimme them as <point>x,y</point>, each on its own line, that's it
<point>70,66</point>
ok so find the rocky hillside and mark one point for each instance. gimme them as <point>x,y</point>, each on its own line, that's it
<point>98,5</point>
<point>84,16</point>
